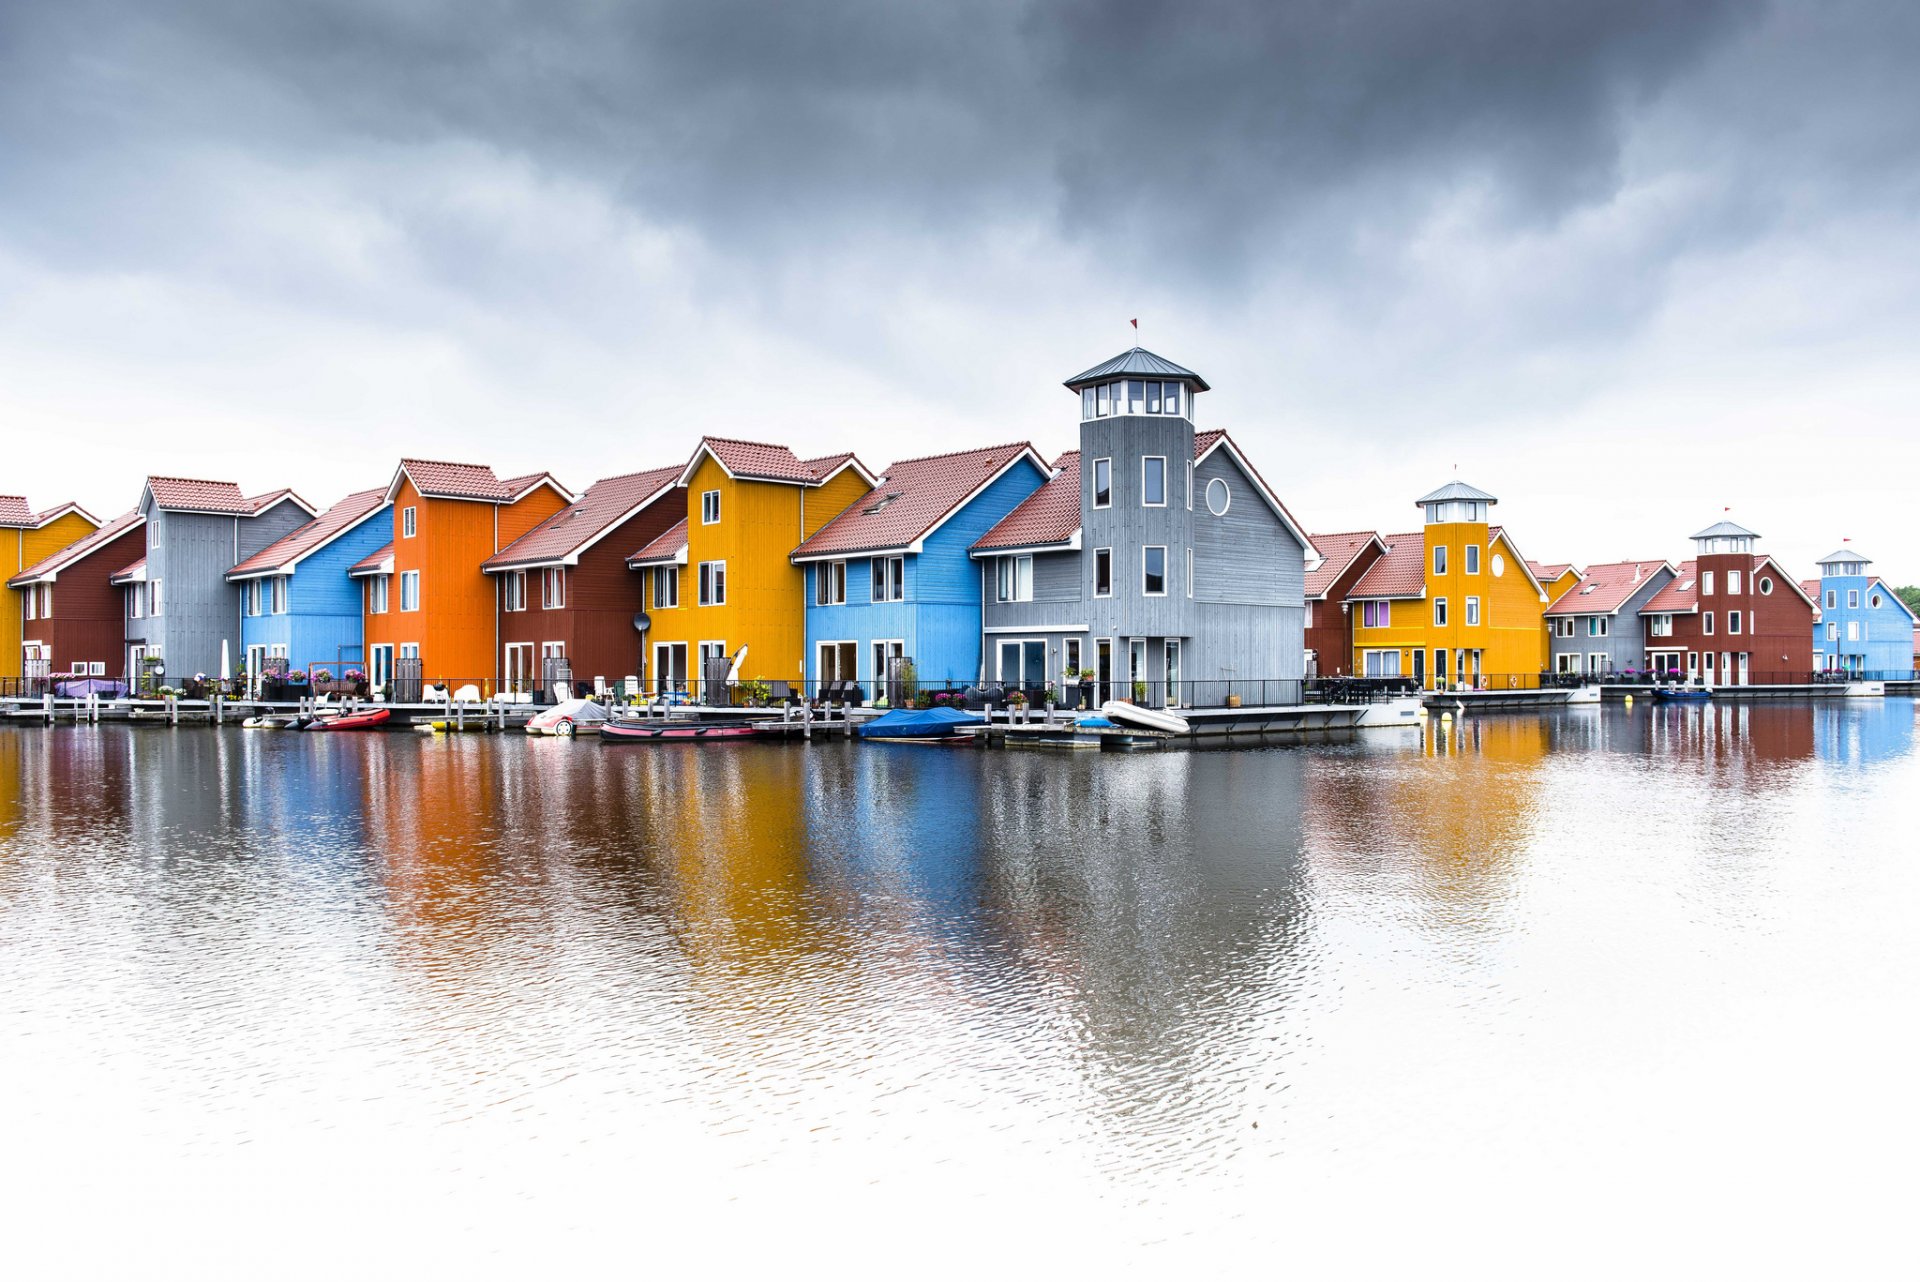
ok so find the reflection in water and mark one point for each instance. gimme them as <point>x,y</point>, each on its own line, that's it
<point>520,987</point>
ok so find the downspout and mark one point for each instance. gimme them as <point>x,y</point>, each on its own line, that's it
<point>495,660</point>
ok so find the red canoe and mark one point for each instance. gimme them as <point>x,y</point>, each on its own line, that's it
<point>352,721</point>
<point>676,731</point>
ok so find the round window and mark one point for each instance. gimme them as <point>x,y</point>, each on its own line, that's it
<point>1874,600</point>
<point>1499,565</point>
<point>1219,497</point>
<point>1766,587</point>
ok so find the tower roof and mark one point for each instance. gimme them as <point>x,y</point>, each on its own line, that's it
<point>1455,490</point>
<point>1726,530</point>
<point>1136,360</point>
<point>1847,555</point>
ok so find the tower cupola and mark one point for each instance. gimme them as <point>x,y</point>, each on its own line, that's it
<point>1455,501</point>
<point>1137,382</point>
<point>1724,539</point>
<point>1848,562</point>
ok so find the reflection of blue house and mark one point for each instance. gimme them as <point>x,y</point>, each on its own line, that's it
<point>296,601</point>
<point>1864,626</point>
<point>890,576</point>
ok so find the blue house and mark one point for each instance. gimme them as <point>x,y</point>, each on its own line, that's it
<point>1864,627</point>
<point>296,601</point>
<point>889,581</point>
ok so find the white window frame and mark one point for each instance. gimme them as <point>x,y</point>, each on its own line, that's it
<point>1473,611</point>
<point>1439,612</point>
<point>1100,555</point>
<point>713,583</point>
<point>1007,579</point>
<point>1706,583</point>
<point>889,575</point>
<point>1733,623</point>
<point>830,583</point>
<point>1190,579</point>
<point>1189,485</point>
<point>1439,559</point>
<point>409,522</point>
<point>1733,583</point>
<point>1161,548</point>
<point>710,507</point>
<point>1102,466</point>
<point>514,592</point>
<point>1145,459</point>
<point>1070,651</point>
<point>379,594</point>
<point>666,587</point>
<point>1853,598</point>
<point>277,594</point>
<point>1706,623</point>
<point>553,588</point>
<point>409,577</point>
<point>1472,564</point>
<point>156,601</point>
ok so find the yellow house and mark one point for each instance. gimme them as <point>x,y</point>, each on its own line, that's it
<point>27,538</point>
<point>720,580</point>
<point>1455,602</point>
<point>1556,578</point>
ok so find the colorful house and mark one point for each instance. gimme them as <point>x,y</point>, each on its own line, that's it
<point>1455,602</point>
<point>1595,628</point>
<point>430,614</point>
<point>70,609</point>
<point>889,583</point>
<point>1157,557</point>
<point>1863,627</point>
<point>1557,577</point>
<point>296,601</point>
<point>1329,622</point>
<point>27,538</point>
<point>721,581</point>
<point>181,612</point>
<point>1731,616</point>
<point>567,599</point>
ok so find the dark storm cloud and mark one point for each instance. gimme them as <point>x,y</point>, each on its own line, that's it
<point>1198,133</point>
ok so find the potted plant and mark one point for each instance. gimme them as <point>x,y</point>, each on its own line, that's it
<point>756,693</point>
<point>1016,698</point>
<point>356,682</point>
<point>1140,692</point>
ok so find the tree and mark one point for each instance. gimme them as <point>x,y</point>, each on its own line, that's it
<point>1911,595</point>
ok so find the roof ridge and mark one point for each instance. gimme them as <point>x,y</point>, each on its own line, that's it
<point>982,449</point>
<point>741,440</point>
<point>1348,534</point>
<point>442,462</point>
<point>190,480</point>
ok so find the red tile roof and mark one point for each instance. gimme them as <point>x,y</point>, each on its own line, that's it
<point>380,562</point>
<point>665,547</point>
<point>49,567</point>
<point>1681,596</point>
<point>594,514</point>
<point>1548,571</point>
<point>54,513</point>
<point>912,498</point>
<point>1339,552</point>
<point>435,480</point>
<point>1051,514</point>
<point>759,461</point>
<point>176,493</point>
<point>121,576</point>
<point>261,502</point>
<point>1401,572</point>
<point>281,555</point>
<point>14,511</point>
<point>1603,589</point>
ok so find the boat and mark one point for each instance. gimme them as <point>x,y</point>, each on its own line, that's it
<point>921,725</point>
<point>275,721</point>
<point>365,720</point>
<point>1683,694</point>
<point>1133,714</point>
<point>676,731</point>
<point>569,717</point>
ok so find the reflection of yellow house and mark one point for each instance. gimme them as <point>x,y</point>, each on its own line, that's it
<point>1454,602</point>
<point>721,579</point>
<point>28,538</point>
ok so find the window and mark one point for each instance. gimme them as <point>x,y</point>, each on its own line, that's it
<point>514,591</point>
<point>1566,662</point>
<point>710,507</point>
<point>1103,571</point>
<point>1873,602</point>
<point>1706,623</point>
<point>1853,630</point>
<point>1136,396</point>
<point>1103,482</point>
<point>1598,625</point>
<point>713,583</point>
<point>1070,655</point>
<point>137,601</point>
<point>1169,398</point>
<point>153,599</point>
<point>1473,611</point>
<point>1733,622</point>
<point>277,594</point>
<point>377,594</point>
<point>1219,497</point>
<point>1853,598</point>
<point>1375,614</point>
<point>830,583</point>
<point>1833,632</point>
<point>1440,612</point>
<point>1833,599</point>
<point>1440,559</point>
<point>1153,571</point>
<point>1662,625</point>
<point>1733,583</point>
<point>553,588</point>
<point>409,591</point>
<point>1381,663</point>
<point>1766,587</point>
<point>1153,481</point>
<point>1190,578</point>
<point>1473,558</point>
<point>666,587</point>
<point>889,578</point>
<point>1706,583</point>
<point>250,595</point>
<point>1189,485</point>
<point>1015,576</point>
<point>1499,565</point>
<point>409,523</point>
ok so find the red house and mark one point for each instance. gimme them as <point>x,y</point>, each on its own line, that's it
<point>1344,558</point>
<point>77,623</point>
<point>567,598</point>
<point>1731,616</point>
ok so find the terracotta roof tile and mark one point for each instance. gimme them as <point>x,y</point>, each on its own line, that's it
<point>48,567</point>
<point>1681,596</point>
<point>261,502</point>
<point>665,547</point>
<point>1339,551</point>
<point>1401,572</point>
<point>606,503</point>
<point>314,535</point>
<point>913,497</point>
<point>1548,571</point>
<point>1605,588</point>
<point>175,493</point>
<point>54,513</point>
<point>1051,514</point>
<point>374,562</point>
<point>129,572</point>
<point>436,480</point>
<point>14,511</point>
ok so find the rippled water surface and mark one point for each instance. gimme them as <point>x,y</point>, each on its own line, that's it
<point>1601,991</point>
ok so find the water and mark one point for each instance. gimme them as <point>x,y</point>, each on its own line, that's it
<point>1562,995</point>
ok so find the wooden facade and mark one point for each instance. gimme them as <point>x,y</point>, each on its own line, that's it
<point>24,543</point>
<point>82,632</point>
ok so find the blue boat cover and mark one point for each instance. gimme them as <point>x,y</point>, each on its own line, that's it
<point>1096,723</point>
<point>918,723</point>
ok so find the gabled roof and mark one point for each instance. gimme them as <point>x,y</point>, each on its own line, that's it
<point>758,461</point>
<point>1135,360</point>
<point>1894,597</point>
<point>1547,572</point>
<point>1455,490</point>
<point>668,548</point>
<point>15,514</point>
<point>1605,588</point>
<point>216,498</point>
<point>1338,553</point>
<point>47,569</point>
<point>261,502</point>
<point>1682,596</point>
<point>1048,516</point>
<point>1844,555</point>
<point>1726,530</point>
<point>468,482</point>
<point>281,556</point>
<point>135,573</point>
<point>607,505</point>
<point>378,562</point>
<point>1495,533</point>
<point>1400,572</point>
<point>1205,443</point>
<point>913,499</point>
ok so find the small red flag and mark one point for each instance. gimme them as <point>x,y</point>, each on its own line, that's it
<point>1135,322</point>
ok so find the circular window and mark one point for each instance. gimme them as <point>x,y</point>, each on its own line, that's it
<point>1219,497</point>
<point>1766,587</point>
<point>1874,600</point>
<point>1499,565</point>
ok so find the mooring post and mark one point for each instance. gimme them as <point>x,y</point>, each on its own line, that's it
<point>173,709</point>
<point>46,705</point>
<point>460,715</point>
<point>219,717</point>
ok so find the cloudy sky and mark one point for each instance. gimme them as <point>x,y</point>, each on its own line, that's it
<point>1623,264</point>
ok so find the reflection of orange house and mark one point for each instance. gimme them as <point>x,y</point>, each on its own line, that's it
<point>425,596</point>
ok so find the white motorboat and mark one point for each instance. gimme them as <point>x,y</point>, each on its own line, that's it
<point>1133,714</point>
<point>568,718</point>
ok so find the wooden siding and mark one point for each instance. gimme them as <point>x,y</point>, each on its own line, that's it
<point>1511,635</point>
<point>86,623</point>
<point>190,554</point>
<point>324,618</point>
<point>18,550</point>
<point>1624,645</point>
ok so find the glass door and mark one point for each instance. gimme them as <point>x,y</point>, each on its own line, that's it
<point>1173,699</point>
<point>1103,668</point>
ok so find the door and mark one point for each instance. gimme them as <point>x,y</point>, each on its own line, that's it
<point>1006,668</point>
<point>1420,669</point>
<point>1174,693</point>
<point>256,664</point>
<point>883,651</point>
<point>1744,657</point>
<point>1137,669</point>
<point>670,668</point>
<point>1439,669</point>
<point>379,668</point>
<point>713,672</point>
<point>1103,669</point>
<point>517,671</point>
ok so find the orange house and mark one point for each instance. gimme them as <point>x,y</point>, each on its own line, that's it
<point>430,616</point>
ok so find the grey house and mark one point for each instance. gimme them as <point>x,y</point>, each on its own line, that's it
<point>179,605</point>
<point>1156,556</point>
<point>1594,628</point>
